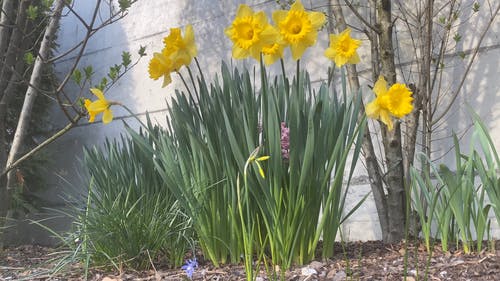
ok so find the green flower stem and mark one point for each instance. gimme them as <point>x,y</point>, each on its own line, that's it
<point>193,82</point>
<point>199,68</point>
<point>186,86</point>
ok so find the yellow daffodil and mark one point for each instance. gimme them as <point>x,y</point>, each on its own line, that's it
<point>254,159</point>
<point>399,100</point>
<point>298,28</point>
<point>343,48</point>
<point>395,101</point>
<point>160,66</point>
<point>101,105</point>
<point>180,50</point>
<point>250,32</point>
<point>273,52</point>
<point>257,160</point>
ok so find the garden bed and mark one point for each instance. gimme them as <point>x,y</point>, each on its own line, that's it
<point>360,261</point>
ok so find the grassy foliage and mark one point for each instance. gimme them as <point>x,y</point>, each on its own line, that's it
<point>212,132</point>
<point>130,216</point>
<point>457,203</point>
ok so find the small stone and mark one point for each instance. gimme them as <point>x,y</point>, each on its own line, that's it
<point>107,278</point>
<point>336,276</point>
<point>307,271</point>
<point>316,265</point>
<point>259,279</point>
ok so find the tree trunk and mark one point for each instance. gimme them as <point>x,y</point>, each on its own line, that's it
<point>368,150</point>
<point>31,93</point>
<point>6,15</point>
<point>391,139</point>
<point>14,50</point>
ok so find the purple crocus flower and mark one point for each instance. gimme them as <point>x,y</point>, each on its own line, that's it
<point>285,141</point>
<point>189,267</point>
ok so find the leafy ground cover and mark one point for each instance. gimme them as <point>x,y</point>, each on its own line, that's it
<point>359,261</point>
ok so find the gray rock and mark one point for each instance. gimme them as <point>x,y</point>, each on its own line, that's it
<point>307,271</point>
<point>316,265</point>
<point>334,275</point>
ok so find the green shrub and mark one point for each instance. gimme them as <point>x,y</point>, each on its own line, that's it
<point>130,217</point>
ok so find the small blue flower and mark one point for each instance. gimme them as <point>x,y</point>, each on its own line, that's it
<point>189,267</point>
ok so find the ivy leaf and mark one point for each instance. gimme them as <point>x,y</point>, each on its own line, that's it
<point>476,7</point>
<point>114,71</point>
<point>126,59</point>
<point>124,5</point>
<point>142,51</point>
<point>29,58</point>
<point>77,76</point>
<point>103,84</point>
<point>89,71</point>
<point>32,12</point>
<point>47,4</point>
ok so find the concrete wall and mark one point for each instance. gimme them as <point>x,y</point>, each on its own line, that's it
<point>149,21</point>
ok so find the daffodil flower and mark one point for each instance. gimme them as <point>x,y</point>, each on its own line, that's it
<point>101,105</point>
<point>250,33</point>
<point>177,52</point>
<point>160,66</point>
<point>393,102</point>
<point>254,159</point>
<point>298,28</point>
<point>273,52</point>
<point>180,50</point>
<point>343,48</point>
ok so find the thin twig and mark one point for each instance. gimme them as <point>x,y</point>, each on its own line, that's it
<point>360,17</point>
<point>469,66</point>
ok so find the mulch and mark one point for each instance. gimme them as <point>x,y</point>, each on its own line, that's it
<point>371,260</point>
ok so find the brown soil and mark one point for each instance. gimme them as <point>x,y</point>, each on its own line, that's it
<point>360,261</point>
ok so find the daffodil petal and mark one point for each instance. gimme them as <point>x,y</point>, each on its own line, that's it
<point>279,16</point>
<point>239,53</point>
<point>107,116</point>
<point>167,79</point>
<point>354,59</point>
<point>98,106</point>
<point>386,119</point>
<point>317,19</point>
<point>244,11</point>
<point>98,93</point>
<point>87,103</point>
<point>298,50</point>
<point>261,171</point>
<point>91,117</point>
<point>372,109</point>
<point>340,60</point>
<point>297,6</point>
<point>380,86</point>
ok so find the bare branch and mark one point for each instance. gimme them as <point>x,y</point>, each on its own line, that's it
<point>360,17</point>
<point>469,66</point>
<point>26,156</point>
